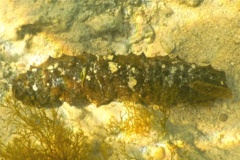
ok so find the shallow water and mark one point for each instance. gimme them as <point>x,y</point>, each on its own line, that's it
<point>200,32</point>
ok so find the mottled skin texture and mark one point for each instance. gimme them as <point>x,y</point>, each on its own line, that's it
<point>89,79</point>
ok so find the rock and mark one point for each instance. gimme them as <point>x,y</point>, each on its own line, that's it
<point>106,22</point>
<point>168,45</point>
<point>167,11</point>
<point>223,117</point>
<point>191,3</point>
<point>159,153</point>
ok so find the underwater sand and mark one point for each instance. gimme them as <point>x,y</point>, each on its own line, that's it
<point>201,32</point>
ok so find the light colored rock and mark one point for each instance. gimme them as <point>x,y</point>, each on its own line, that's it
<point>191,3</point>
<point>159,153</point>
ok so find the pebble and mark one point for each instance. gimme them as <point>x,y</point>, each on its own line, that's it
<point>159,153</point>
<point>167,11</point>
<point>168,45</point>
<point>139,19</point>
<point>223,117</point>
<point>191,3</point>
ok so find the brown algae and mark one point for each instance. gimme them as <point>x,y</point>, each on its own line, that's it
<point>39,135</point>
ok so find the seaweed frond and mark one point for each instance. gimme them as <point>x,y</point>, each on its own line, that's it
<point>41,134</point>
<point>138,119</point>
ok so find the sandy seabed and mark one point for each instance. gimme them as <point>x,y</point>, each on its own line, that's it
<point>198,31</point>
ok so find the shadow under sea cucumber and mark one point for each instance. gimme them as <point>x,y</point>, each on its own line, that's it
<point>87,78</point>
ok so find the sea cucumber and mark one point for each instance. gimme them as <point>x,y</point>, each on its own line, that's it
<point>81,80</point>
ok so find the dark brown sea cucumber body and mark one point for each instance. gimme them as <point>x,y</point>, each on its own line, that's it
<point>86,79</point>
